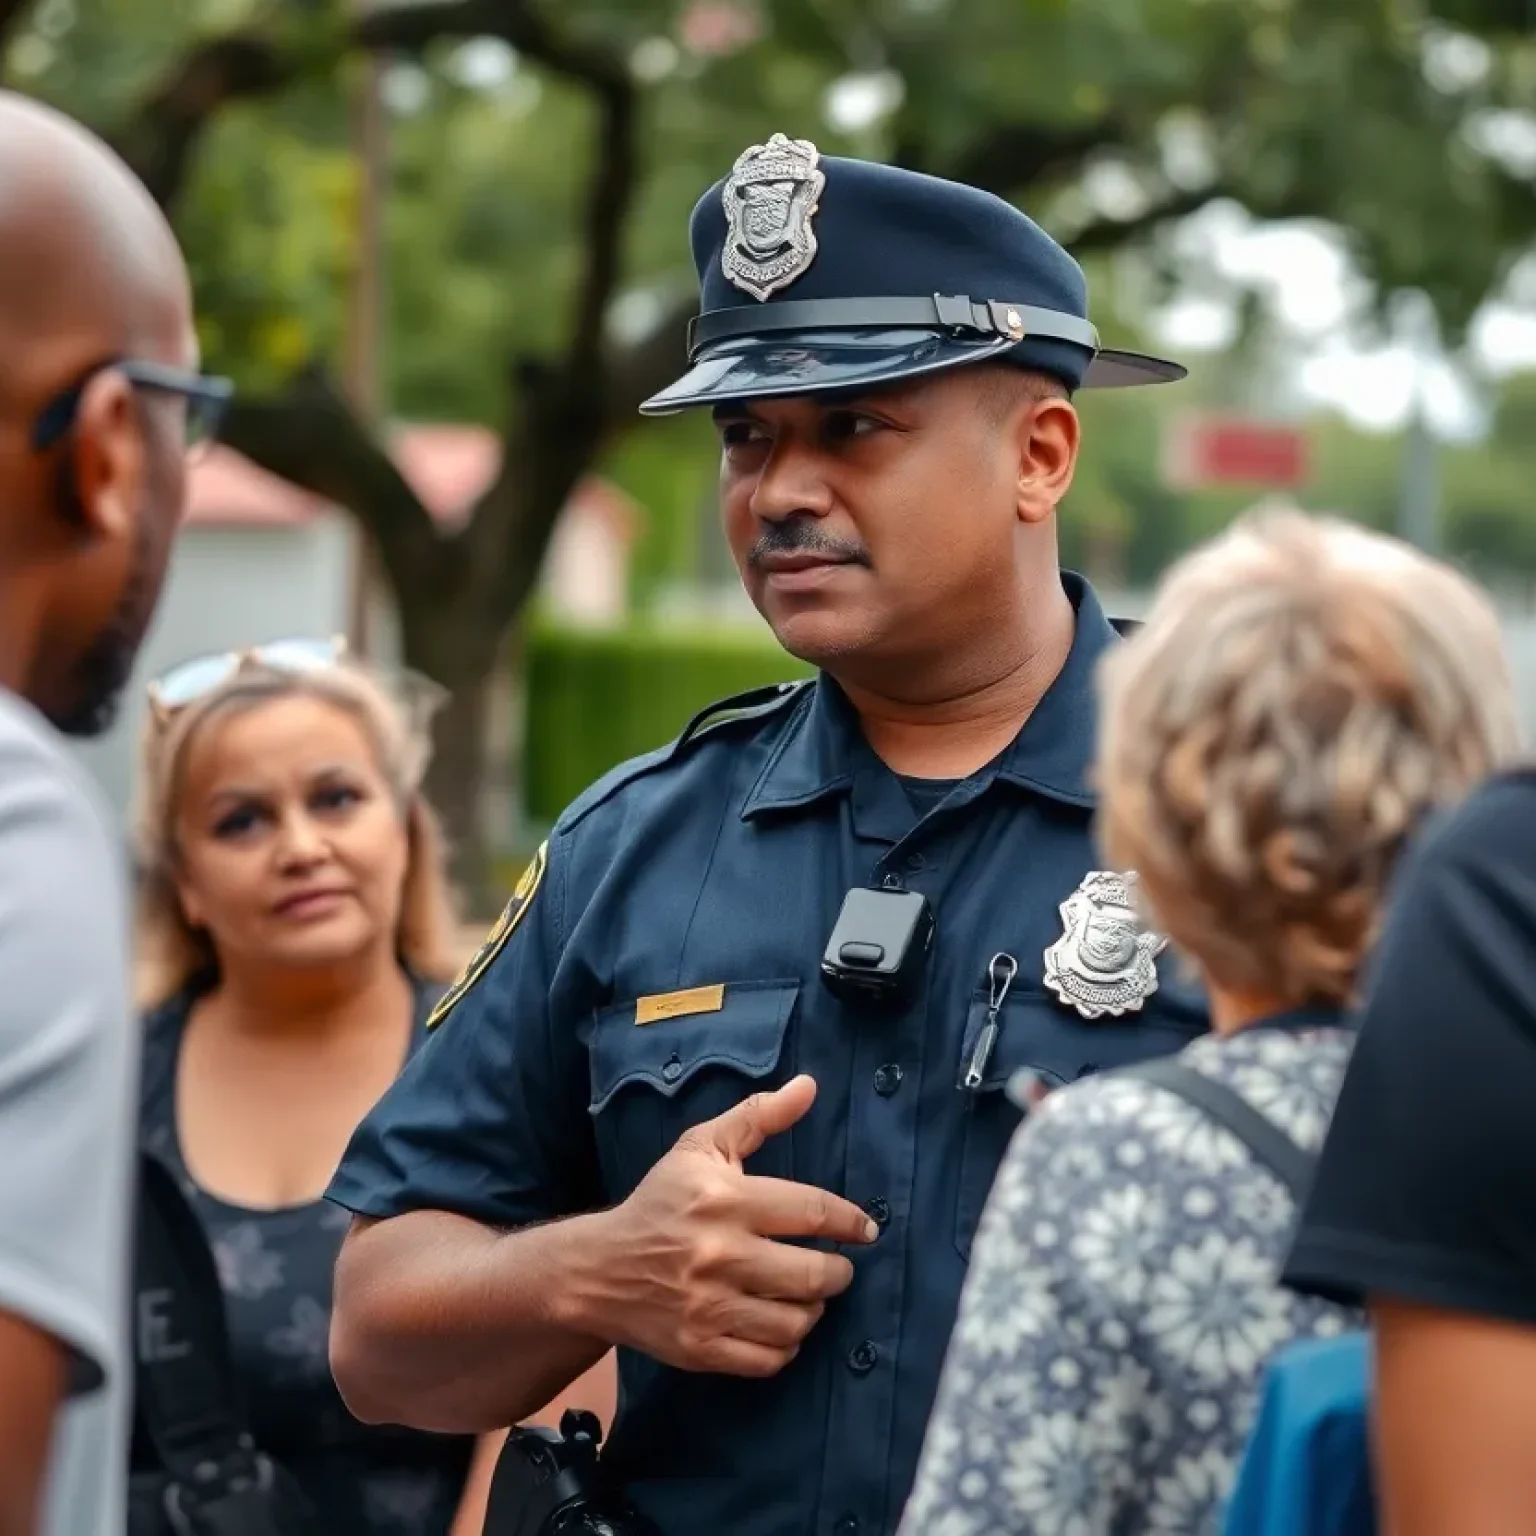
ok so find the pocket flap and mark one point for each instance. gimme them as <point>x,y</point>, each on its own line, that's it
<point>1037,1034</point>
<point>744,1034</point>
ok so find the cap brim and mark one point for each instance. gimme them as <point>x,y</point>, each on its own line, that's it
<point>817,362</point>
<point>1120,370</point>
<point>821,362</point>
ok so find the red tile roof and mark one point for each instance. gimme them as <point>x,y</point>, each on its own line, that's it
<point>224,487</point>
<point>447,466</point>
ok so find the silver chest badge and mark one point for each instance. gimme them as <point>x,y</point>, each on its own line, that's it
<point>1104,962</point>
<point>770,199</point>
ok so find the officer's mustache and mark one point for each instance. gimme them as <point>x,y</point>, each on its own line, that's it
<point>801,536</point>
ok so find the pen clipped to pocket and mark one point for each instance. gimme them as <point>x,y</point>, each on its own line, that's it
<point>1000,973</point>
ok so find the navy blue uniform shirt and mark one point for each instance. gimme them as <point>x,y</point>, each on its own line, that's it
<point>724,863</point>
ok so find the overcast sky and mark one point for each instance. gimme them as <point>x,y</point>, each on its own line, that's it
<point>1312,285</point>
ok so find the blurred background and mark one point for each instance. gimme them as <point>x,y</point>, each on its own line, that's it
<point>441,245</point>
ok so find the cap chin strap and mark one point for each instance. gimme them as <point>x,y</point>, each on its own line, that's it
<point>959,316</point>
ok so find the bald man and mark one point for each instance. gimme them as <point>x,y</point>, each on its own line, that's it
<point>98,393</point>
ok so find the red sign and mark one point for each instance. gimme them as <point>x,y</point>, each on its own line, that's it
<point>1205,451</point>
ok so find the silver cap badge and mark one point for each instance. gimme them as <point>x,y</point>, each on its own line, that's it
<point>1104,962</point>
<point>770,199</point>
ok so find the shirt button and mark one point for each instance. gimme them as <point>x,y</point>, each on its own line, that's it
<point>847,1526</point>
<point>672,1071</point>
<point>878,1211</point>
<point>887,1079</point>
<point>916,861</point>
<point>862,1358</point>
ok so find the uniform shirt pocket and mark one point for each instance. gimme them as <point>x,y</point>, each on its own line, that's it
<point>1037,1034</point>
<point>651,1082</point>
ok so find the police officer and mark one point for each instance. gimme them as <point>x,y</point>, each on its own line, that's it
<point>667,1107</point>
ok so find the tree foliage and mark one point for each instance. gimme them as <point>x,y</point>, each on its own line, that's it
<point>544,156</point>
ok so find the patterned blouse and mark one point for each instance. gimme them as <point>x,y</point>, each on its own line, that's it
<point>1122,1302</point>
<point>276,1266</point>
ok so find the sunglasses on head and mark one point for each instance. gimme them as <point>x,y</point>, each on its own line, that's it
<point>189,681</point>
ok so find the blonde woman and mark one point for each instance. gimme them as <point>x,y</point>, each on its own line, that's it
<point>294,927</point>
<point>1302,694</point>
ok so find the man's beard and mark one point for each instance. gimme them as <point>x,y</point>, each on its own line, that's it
<point>104,668</point>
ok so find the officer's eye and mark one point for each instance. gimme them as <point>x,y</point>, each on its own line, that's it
<point>841,426</point>
<point>742,434</point>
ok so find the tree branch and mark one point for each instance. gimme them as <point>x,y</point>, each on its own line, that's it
<point>1017,155</point>
<point>1108,234</point>
<point>161,138</point>
<point>409,28</point>
<point>635,372</point>
<point>311,437</point>
<point>560,411</point>
<point>558,418</point>
<point>158,143</point>
<point>610,190</point>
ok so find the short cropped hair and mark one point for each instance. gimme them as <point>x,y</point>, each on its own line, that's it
<point>1001,387</point>
<point>1303,692</point>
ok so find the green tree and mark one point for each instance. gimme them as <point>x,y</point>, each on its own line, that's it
<point>539,277</point>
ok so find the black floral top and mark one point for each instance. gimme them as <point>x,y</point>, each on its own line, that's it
<point>276,1268</point>
<point>1122,1303</point>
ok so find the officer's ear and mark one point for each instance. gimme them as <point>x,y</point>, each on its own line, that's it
<point>1048,436</point>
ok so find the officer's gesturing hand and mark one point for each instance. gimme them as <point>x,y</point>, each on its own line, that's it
<point>703,1281</point>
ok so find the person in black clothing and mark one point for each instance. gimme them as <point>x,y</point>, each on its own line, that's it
<point>1424,1205</point>
<point>295,931</point>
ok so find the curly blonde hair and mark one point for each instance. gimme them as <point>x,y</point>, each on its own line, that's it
<point>170,953</point>
<point>1302,693</point>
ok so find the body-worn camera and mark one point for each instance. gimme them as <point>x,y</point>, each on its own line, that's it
<point>552,1484</point>
<point>879,946</point>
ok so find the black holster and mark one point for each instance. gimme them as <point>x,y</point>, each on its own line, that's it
<point>550,1483</point>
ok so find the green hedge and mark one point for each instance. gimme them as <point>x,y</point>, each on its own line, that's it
<point>596,697</point>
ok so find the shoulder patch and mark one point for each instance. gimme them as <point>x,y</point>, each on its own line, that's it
<point>755,704</point>
<point>503,929</point>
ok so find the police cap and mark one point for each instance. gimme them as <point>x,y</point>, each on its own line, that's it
<point>822,274</point>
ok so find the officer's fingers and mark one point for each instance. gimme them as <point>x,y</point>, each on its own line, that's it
<point>783,1272</point>
<point>757,1320</point>
<point>740,1357</point>
<point>740,1131</point>
<point>780,1208</point>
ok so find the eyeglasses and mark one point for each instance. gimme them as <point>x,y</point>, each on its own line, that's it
<point>189,681</point>
<point>207,398</point>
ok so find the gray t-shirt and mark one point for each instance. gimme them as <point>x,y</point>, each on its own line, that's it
<point>68,1083</point>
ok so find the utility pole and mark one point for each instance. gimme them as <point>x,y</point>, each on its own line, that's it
<point>365,310</point>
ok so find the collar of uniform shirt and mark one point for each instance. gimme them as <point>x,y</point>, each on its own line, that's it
<point>1051,755</point>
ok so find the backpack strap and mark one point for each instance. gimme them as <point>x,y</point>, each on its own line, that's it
<point>1230,1110</point>
<point>186,1391</point>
